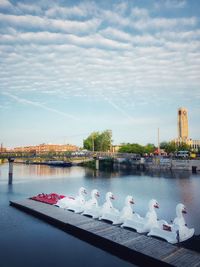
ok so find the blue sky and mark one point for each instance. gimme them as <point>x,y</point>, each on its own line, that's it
<point>68,68</point>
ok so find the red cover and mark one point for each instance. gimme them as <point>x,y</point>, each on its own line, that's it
<point>51,198</point>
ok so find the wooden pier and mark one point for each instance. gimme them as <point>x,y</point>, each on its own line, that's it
<point>124,243</point>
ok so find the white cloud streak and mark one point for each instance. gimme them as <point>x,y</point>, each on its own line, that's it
<point>37,104</point>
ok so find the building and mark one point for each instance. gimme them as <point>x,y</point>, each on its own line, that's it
<point>183,131</point>
<point>183,124</point>
<point>45,148</point>
<point>115,148</point>
<point>2,149</point>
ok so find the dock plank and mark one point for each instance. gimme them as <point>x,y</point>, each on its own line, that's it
<point>125,243</point>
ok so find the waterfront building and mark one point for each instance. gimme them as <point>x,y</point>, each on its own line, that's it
<point>45,148</point>
<point>183,131</point>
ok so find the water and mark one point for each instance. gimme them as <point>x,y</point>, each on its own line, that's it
<point>25,240</point>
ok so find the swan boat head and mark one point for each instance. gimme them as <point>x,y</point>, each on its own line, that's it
<point>95,193</point>
<point>82,191</point>
<point>153,204</point>
<point>180,210</point>
<point>109,196</point>
<point>129,201</point>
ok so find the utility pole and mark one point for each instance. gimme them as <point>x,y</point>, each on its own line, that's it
<point>158,141</point>
<point>93,143</point>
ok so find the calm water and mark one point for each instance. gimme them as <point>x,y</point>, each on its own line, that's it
<point>23,235</point>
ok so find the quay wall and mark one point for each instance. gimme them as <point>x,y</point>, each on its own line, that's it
<point>159,163</point>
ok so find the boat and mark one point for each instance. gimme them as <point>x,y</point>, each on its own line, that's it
<point>59,163</point>
<point>108,212</point>
<point>51,198</point>
<point>91,206</point>
<point>175,232</point>
<point>143,224</point>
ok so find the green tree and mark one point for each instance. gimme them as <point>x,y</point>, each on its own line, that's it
<point>171,147</point>
<point>149,148</point>
<point>97,141</point>
<point>163,144</point>
<point>183,146</point>
<point>132,148</point>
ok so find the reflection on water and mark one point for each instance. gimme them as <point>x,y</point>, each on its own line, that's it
<point>169,188</point>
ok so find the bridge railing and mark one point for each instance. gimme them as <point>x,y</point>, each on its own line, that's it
<point>52,154</point>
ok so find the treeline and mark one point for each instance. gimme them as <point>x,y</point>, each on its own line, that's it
<point>136,148</point>
<point>168,147</point>
<point>102,141</point>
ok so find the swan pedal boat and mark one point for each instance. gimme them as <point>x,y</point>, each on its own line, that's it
<point>108,212</point>
<point>125,213</point>
<point>176,232</point>
<point>91,207</point>
<point>143,224</point>
<point>74,204</point>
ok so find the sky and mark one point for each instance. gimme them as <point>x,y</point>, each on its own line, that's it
<point>68,68</point>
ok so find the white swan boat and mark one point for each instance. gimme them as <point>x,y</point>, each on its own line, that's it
<point>108,212</point>
<point>126,213</point>
<point>176,232</point>
<point>75,204</point>
<point>143,224</point>
<point>91,207</point>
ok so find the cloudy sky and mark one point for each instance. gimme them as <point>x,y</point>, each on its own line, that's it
<point>68,68</point>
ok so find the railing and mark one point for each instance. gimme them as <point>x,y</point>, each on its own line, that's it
<point>52,154</point>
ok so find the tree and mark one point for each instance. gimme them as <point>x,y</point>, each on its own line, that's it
<point>132,148</point>
<point>149,148</point>
<point>171,147</point>
<point>183,146</point>
<point>163,144</point>
<point>97,141</point>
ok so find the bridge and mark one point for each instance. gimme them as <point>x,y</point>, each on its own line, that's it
<point>67,154</point>
<point>67,157</point>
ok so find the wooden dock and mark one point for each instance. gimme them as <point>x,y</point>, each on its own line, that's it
<point>126,244</point>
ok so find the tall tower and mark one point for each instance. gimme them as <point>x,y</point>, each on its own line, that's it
<point>182,124</point>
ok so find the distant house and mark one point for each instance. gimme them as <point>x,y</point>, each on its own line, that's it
<point>115,148</point>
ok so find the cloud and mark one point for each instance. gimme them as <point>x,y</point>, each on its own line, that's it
<point>171,4</point>
<point>63,12</point>
<point>128,54</point>
<point>164,23</point>
<point>37,104</point>
<point>5,4</point>
<point>121,8</point>
<point>139,12</point>
<point>40,38</point>
<point>29,8</point>
<point>30,22</point>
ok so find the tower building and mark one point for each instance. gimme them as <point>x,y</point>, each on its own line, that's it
<point>183,124</point>
<point>183,133</point>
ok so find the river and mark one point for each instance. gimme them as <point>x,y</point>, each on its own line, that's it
<point>27,241</point>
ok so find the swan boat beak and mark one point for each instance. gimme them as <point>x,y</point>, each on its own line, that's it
<point>156,206</point>
<point>184,211</point>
